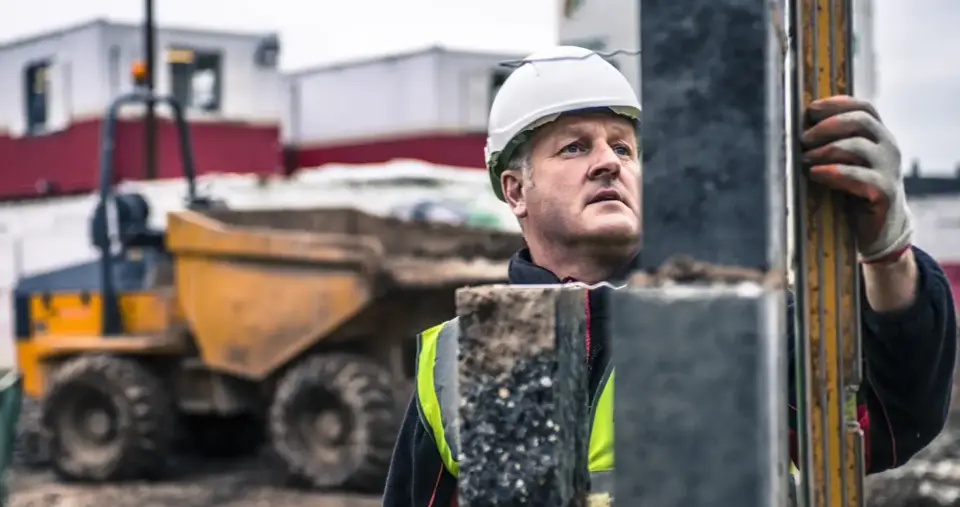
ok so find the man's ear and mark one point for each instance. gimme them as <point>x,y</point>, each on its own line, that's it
<point>512,183</point>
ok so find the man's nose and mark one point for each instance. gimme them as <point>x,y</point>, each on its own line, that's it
<point>605,163</point>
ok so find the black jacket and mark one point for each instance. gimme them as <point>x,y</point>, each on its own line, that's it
<point>909,356</point>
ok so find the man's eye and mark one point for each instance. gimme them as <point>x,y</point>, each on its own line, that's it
<point>623,150</point>
<point>572,148</point>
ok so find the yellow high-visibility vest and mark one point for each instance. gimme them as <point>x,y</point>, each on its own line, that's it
<point>438,404</point>
<point>436,371</point>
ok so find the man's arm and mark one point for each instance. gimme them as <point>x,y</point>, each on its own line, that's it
<point>908,316</point>
<point>909,355</point>
<point>398,491</point>
<point>892,286</point>
<point>417,477</point>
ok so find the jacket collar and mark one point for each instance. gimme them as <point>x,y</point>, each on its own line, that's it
<point>523,271</point>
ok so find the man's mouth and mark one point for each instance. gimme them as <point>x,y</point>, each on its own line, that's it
<point>606,195</point>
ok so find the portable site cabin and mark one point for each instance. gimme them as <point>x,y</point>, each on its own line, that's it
<point>430,105</point>
<point>56,87</point>
<point>935,204</point>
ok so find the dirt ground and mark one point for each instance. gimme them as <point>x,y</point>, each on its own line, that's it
<point>192,481</point>
<point>248,483</point>
<point>252,483</point>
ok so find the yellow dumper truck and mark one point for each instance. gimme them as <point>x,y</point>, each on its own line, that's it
<point>299,324</point>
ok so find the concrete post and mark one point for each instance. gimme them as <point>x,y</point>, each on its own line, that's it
<point>700,343</point>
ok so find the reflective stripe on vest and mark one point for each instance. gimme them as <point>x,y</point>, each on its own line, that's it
<point>437,390</point>
<point>600,452</point>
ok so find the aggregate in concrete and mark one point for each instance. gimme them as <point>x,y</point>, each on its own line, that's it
<point>523,393</point>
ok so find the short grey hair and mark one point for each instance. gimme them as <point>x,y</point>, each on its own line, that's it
<point>520,160</point>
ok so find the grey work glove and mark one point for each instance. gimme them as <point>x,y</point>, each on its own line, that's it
<point>847,148</point>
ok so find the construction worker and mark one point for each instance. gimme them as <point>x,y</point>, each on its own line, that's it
<point>563,153</point>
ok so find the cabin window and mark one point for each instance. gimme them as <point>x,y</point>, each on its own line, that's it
<point>37,97</point>
<point>196,78</point>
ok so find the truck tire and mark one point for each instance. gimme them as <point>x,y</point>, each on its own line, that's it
<point>108,419</point>
<point>333,422</point>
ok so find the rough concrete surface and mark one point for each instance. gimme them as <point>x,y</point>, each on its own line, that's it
<point>522,386</point>
<point>248,483</point>
<point>503,324</point>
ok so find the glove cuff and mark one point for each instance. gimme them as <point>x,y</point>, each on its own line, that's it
<point>890,258</point>
<point>896,235</point>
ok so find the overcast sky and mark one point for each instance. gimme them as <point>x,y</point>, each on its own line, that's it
<point>918,43</point>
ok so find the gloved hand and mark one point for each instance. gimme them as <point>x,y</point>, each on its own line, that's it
<point>847,148</point>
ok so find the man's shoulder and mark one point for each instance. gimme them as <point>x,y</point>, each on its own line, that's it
<point>438,343</point>
<point>444,331</point>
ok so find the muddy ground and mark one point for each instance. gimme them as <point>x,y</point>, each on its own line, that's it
<point>193,481</point>
<point>252,483</point>
<point>246,483</point>
<point>931,479</point>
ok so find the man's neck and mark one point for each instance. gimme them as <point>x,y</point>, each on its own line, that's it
<point>587,265</point>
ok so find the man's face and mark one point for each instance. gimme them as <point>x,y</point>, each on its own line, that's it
<point>584,183</point>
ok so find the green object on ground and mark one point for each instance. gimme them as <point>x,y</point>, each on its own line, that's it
<point>11,394</point>
<point>485,220</point>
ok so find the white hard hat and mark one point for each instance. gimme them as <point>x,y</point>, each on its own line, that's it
<point>549,83</point>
